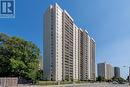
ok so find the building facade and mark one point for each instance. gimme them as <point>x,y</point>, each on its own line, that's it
<point>92,59</point>
<point>105,70</point>
<point>68,43</point>
<point>69,51</point>
<point>101,70</point>
<point>75,54</point>
<point>110,71</point>
<point>85,60</point>
<point>53,43</point>
<point>116,72</point>
<point>80,53</point>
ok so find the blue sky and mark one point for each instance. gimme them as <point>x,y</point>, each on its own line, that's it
<point>107,21</point>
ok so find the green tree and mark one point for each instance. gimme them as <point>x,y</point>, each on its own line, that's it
<point>99,78</point>
<point>18,57</point>
<point>119,79</point>
<point>40,75</point>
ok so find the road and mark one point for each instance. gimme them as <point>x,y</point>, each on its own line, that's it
<point>84,85</point>
<point>95,85</point>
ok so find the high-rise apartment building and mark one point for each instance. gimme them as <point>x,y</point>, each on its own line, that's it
<point>75,53</point>
<point>101,70</point>
<point>117,72</point>
<point>92,59</point>
<point>86,56</point>
<point>53,43</point>
<point>68,41</point>
<point>110,71</point>
<point>85,59</point>
<point>69,52</point>
<point>105,70</point>
<point>80,53</point>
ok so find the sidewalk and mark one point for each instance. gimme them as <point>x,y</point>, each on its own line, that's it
<point>81,85</point>
<point>62,85</point>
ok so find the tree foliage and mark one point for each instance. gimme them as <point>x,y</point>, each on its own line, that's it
<point>118,79</point>
<point>18,57</point>
<point>100,79</point>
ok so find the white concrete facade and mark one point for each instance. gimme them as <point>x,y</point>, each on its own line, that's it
<point>53,43</point>
<point>89,58</point>
<point>69,53</point>
<point>68,42</point>
<point>92,59</point>
<point>75,54</point>
<point>110,71</point>
<point>47,47</point>
<point>86,56</point>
